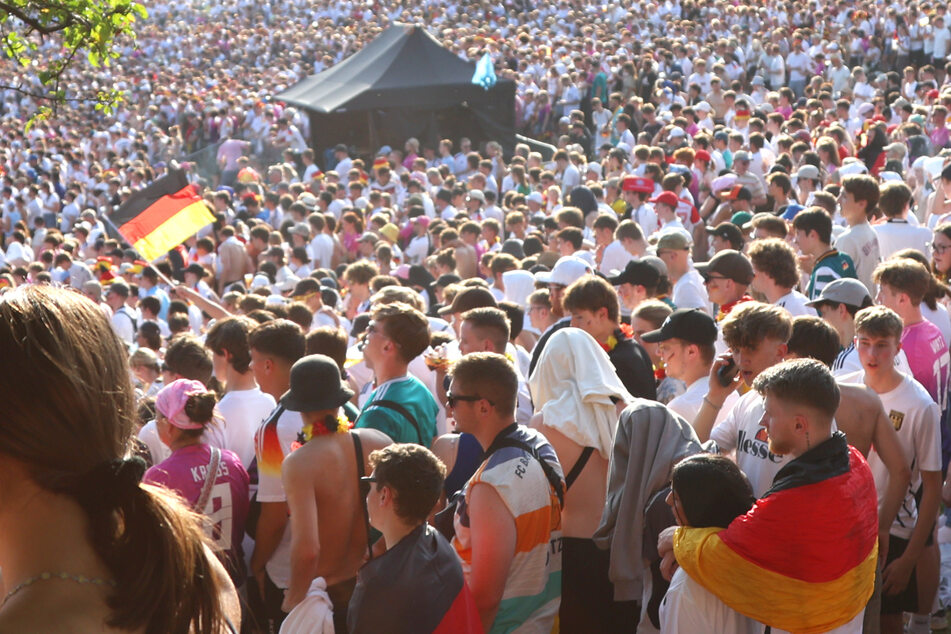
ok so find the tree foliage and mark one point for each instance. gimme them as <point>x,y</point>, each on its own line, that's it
<point>48,37</point>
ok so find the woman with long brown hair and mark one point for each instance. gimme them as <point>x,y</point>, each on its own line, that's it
<point>86,547</point>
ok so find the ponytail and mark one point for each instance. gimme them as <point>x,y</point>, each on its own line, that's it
<point>153,545</point>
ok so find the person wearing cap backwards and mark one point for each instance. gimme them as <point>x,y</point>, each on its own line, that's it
<point>324,494</point>
<point>725,235</point>
<point>401,406</point>
<point>687,346</point>
<point>813,235</point>
<point>635,192</point>
<point>689,291</point>
<point>776,274</point>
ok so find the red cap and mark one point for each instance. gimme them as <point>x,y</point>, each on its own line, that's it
<point>702,155</point>
<point>667,198</point>
<point>933,93</point>
<point>637,184</point>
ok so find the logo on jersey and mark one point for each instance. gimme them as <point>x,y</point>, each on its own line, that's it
<point>757,446</point>
<point>897,419</point>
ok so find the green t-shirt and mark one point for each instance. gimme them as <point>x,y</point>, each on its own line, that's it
<point>830,266</point>
<point>409,392</point>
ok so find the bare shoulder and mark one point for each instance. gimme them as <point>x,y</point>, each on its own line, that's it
<point>861,396</point>
<point>445,446</point>
<point>372,438</point>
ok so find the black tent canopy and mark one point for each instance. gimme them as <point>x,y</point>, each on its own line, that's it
<point>403,84</point>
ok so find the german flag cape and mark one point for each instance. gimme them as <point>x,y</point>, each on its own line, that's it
<point>162,216</point>
<point>803,558</point>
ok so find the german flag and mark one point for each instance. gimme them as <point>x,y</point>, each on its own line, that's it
<point>162,216</point>
<point>802,559</point>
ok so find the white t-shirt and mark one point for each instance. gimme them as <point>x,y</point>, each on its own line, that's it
<point>149,435</point>
<point>243,412</point>
<point>614,258</point>
<point>860,243</point>
<point>916,418</point>
<point>273,442</point>
<point>741,431</point>
<point>688,608</point>
<point>897,234</point>
<point>940,319</point>
<point>795,304</point>
<point>321,251</point>
<point>689,291</point>
<point>688,404</point>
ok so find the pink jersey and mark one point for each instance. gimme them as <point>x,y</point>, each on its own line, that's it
<point>227,508</point>
<point>928,358</point>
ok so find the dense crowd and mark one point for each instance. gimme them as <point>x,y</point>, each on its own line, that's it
<point>698,355</point>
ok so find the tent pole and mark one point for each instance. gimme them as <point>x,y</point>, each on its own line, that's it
<point>373,139</point>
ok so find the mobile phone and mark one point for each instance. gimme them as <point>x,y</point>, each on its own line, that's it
<point>727,373</point>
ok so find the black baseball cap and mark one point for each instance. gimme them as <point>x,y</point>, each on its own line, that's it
<point>729,232</point>
<point>688,324</point>
<point>636,272</point>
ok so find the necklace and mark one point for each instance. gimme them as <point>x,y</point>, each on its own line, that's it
<point>65,576</point>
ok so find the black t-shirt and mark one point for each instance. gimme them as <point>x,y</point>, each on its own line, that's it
<point>634,368</point>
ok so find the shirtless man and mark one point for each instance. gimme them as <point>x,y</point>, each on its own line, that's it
<point>862,419</point>
<point>321,480</point>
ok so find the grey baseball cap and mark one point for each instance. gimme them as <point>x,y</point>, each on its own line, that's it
<point>845,290</point>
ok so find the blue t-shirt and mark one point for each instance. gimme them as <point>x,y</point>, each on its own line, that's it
<point>413,395</point>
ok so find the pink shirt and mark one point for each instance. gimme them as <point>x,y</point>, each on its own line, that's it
<point>928,358</point>
<point>227,508</point>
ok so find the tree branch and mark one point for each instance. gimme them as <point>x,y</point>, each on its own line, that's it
<point>35,24</point>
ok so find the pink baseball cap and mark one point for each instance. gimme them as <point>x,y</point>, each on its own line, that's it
<point>171,399</point>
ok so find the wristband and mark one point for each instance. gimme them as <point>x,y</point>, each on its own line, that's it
<point>712,404</point>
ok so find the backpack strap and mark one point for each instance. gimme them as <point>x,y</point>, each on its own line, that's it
<point>210,476</point>
<point>578,467</point>
<point>396,407</point>
<point>361,494</point>
<point>553,479</point>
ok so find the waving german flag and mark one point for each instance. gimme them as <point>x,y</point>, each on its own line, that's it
<point>803,559</point>
<point>162,215</point>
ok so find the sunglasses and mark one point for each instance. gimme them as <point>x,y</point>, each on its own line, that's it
<point>452,399</point>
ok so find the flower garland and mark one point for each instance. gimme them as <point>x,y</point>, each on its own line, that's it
<point>309,430</point>
<point>623,333</point>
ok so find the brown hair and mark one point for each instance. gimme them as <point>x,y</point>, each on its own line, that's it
<point>592,293</point>
<point>414,473</point>
<point>750,323</point>
<point>802,381</point>
<point>57,338</point>
<point>405,326</point>
<point>776,259</point>
<point>491,376</point>
<point>491,323</point>
<point>904,276</point>
<point>878,321</point>
<point>279,338</point>
<point>863,188</point>
<point>186,357</point>
<point>328,341</point>
<point>814,338</point>
<point>231,335</point>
